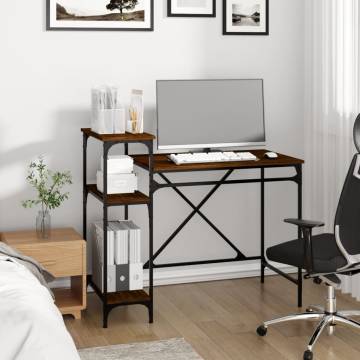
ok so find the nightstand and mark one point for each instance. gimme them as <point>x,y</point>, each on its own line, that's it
<point>63,254</point>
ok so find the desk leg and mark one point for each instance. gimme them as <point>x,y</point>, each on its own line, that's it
<point>151,231</point>
<point>85,195</point>
<point>262,226</point>
<point>299,183</point>
<point>126,210</point>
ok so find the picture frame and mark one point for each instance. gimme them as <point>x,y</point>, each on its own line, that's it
<point>191,8</point>
<point>65,15</point>
<point>245,17</point>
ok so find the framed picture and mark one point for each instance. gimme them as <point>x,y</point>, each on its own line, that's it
<point>130,15</point>
<point>192,8</point>
<point>246,17</point>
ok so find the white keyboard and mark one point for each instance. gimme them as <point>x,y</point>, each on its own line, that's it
<point>196,158</point>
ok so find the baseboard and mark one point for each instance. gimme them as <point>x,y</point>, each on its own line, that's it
<point>201,273</point>
<point>204,273</point>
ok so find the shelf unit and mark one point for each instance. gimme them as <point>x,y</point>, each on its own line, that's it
<point>113,300</point>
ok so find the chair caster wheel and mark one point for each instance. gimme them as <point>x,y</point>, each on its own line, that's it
<point>261,330</point>
<point>308,355</point>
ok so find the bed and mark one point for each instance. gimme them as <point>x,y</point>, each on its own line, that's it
<point>31,326</point>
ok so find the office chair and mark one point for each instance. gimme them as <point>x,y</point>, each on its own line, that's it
<point>326,255</point>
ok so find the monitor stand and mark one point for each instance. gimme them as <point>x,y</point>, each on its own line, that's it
<point>206,150</point>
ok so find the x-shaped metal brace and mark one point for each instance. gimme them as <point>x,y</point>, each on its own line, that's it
<point>197,210</point>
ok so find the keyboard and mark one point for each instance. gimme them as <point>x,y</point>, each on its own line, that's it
<point>197,158</point>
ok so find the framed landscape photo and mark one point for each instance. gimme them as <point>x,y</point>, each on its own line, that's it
<point>192,8</point>
<point>126,15</point>
<point>246,17</point>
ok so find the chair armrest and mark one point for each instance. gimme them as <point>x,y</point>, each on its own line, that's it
<point>308,224</point>
<point>305,228</point>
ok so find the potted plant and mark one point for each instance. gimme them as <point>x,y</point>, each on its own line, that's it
<point>48,185</point>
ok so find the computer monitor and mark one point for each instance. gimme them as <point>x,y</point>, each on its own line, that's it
<point>210,113</point>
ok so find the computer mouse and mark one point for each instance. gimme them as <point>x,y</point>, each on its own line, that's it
<point>271,155</point>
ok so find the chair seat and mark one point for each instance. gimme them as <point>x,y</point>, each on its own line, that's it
<point>327,256</point>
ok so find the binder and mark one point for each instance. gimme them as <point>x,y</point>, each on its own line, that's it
<point>136,272</point>
<point>98,278</point>
<point>124,268</point>
<point>136,276</point>
<point>122,277</point>
<point>98,265</point>
<point>96,262</point>
<point>111,278</point>
<point>121,243</point>
<point>134,243</point>
<point>110,242</point>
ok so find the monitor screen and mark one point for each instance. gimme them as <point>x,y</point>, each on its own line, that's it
<point>210,113</point>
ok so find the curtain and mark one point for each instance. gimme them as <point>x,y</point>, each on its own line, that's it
<point>331,106</point>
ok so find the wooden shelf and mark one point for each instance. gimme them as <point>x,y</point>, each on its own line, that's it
<point>127,137</point>
<point>123,297</point>
<point>136,198</point>
<point>128,297</point>
<point>68,300</point>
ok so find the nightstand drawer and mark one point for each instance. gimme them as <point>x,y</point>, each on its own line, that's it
<point>60,259</point>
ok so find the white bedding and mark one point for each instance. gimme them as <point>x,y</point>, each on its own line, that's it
<point>31,326</point>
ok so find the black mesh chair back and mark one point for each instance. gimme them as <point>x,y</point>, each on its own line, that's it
<point>347,218</point>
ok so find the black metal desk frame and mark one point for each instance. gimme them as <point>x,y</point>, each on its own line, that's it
<point>196,209</point>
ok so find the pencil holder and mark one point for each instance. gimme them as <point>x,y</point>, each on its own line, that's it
<point>119,119</point>
<point>103,121</point>
<point>135,124</point>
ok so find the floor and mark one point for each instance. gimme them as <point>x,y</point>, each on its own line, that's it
<point>219,320</point>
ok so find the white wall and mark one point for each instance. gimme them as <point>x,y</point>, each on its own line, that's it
<point>45,81</point>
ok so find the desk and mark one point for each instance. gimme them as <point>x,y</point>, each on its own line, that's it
<point>162,165</point>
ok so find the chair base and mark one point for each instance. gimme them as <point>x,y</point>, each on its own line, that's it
<point>328,318</point>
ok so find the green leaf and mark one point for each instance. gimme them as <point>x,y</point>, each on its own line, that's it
<point>48,185</point>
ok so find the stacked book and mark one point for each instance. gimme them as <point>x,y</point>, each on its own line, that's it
<point>120,175</point>
<point>124,266</point>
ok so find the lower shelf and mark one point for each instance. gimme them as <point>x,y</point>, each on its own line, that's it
<point>123,297</point>
<point>128,297</point>
<point>68,301</point>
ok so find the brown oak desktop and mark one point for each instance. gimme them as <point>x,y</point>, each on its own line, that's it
<point>162,166</point>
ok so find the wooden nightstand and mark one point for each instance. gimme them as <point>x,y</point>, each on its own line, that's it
<point>63,255</point>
